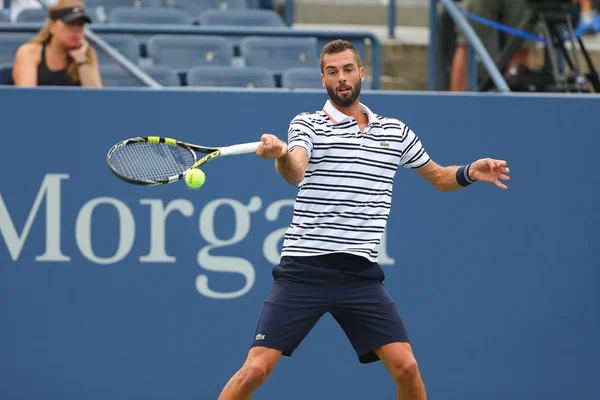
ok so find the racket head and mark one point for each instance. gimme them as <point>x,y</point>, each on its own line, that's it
<point>152,160</point>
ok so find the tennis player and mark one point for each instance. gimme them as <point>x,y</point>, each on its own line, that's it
<point>344,158</point>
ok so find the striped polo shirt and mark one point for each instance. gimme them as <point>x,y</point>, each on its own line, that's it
<point>344,200</point>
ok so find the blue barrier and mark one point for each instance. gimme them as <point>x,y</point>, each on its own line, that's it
<point>114,291</point>
<point>228,32</point>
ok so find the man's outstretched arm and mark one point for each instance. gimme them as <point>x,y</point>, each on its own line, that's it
<point>449,179</point>
<point>291,165</point>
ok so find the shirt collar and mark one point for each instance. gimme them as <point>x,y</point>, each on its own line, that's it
<point>337,117</point>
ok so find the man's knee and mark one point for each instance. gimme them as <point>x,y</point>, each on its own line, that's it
<point>253,375</point>
<point>257,368</point>
<point>404,371</point>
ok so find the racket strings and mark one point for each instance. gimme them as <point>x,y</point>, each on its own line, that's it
<point>151,161</point>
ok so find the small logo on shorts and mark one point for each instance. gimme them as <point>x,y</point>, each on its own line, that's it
<point>259,337</point>
<point>384,144</point>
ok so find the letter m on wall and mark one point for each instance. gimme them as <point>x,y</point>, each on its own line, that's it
<point>49,191</point>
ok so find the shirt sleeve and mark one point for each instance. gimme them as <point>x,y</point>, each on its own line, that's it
<point>414,155</point>
<point>300,134</point>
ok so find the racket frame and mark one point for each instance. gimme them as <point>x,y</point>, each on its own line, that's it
<point>211,153</point>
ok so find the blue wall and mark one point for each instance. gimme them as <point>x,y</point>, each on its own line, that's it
<point>101,298</point>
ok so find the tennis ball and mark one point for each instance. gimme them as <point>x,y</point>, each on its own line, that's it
<point>195,178</point>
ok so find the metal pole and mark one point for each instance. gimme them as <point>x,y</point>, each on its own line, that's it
<point>125,63</point>
<point>289,12</point>
<point>477,45</point>
<point>432,55</point>
<point>376,62</point>
<point>392,19</point>
<point>471,70</point>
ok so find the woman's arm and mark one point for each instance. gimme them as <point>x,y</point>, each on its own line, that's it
<point>27,59</point>
<point>87,64</point>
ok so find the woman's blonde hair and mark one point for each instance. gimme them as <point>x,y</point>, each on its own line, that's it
<point>44,36</point>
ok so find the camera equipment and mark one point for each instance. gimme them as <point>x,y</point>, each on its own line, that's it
<point>556,19</point>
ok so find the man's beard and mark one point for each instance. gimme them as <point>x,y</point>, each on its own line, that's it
<point>348,99</point>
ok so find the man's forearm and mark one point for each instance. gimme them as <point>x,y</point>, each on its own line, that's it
<point>448,182</point>
<point>290,168</point>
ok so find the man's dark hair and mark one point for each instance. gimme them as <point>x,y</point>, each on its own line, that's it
<point>337,46</point>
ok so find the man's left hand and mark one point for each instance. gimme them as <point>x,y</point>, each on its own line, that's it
<point>490,170</point>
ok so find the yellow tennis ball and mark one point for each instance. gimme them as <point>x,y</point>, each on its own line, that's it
<point>195,178</point>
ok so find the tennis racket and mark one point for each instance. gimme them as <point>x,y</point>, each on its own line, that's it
<point>153,160</point>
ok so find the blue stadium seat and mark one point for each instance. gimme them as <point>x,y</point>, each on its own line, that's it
<point>108,5</point>
<point>302,78</point>
<point>152,3</point>
<point>125,43</point>
<point>32,15</point>
<point>10,43</point>
<point>216,76</point>
<point>5,16</point>
<point>184,52</point>
<point>196,7</point>
<point>241,17</point>
<point>115,76</point>
<point>278,54</point>
<point>150,15</point>
<point>6,74</point>
<point>308,78</point>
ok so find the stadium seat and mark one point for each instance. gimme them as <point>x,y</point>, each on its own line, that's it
<point>184,52</point>
<point>150,15</point>
<point>32,15</point>
<point>5,16</point>
<point>241,17</point>
<point>108,4</point>
<point>301,78</point>
<point>125,43</point>
<point>308,78</point>
<point>6,74</point>
<point>196,7</point>
<point>115,76</point>
<point>216,76</point>
<point>152,3</point>
<point>10,43</point>
<point>92,6</point>
<point>278,54</point>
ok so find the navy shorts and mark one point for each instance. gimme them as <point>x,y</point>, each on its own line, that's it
<point>347,286</point>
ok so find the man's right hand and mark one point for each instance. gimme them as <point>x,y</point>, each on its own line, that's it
<point>272,147</point>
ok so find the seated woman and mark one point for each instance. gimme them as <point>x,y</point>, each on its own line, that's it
<point>59,54</point>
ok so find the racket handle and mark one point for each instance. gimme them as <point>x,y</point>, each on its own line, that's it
<point>243,148</point>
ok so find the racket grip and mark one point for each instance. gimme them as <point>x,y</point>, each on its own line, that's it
<point>243,148</point>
